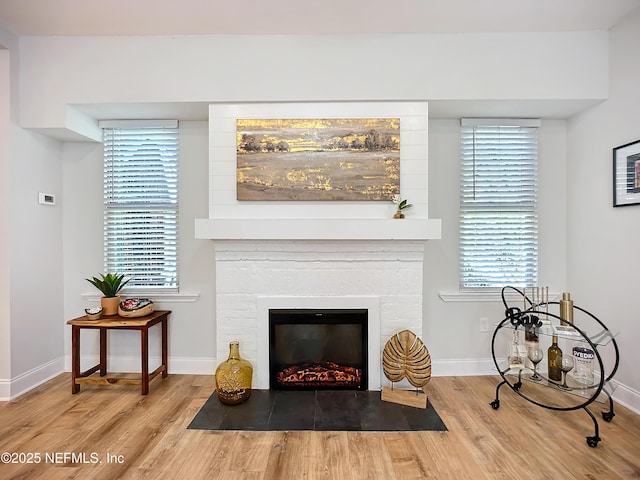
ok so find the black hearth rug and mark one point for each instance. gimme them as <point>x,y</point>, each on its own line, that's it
<point>320,410</point>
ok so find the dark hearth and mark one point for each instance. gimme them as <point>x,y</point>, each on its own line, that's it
<point>320,410</point>
<point>318,349</point>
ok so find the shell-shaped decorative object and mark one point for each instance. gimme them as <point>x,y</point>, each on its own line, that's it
<point>405,356</point>
<point>93,313</point>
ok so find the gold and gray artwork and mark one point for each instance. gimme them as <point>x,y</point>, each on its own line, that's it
<point>318,159</point>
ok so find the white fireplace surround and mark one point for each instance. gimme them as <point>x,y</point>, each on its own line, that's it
<point>253,276</point>
<point>322,254</point>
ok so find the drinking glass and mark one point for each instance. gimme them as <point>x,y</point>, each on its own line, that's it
<point>535,354</point>
<point>566,366</point>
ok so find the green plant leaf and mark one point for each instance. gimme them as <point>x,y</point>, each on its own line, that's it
<point>110,284</point>
<point>403,204</point>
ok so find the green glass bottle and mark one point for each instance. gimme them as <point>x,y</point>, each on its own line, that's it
<point>554,360</point>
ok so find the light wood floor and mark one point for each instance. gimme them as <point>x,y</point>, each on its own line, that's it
<point>146,437</point>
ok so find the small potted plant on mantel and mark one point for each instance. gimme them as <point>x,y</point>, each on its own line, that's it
<point>110,285</point>
<point>401,204</point>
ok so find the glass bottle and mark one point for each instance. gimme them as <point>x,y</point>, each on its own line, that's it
<point>554,359</point>
<point>516,358</point>
<point>233,377</point>
<point>583,358</point>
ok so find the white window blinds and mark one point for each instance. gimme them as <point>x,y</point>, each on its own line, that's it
<point>498,203</point>
<point>141,205</point>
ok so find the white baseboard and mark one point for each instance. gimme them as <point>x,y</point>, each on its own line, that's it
<point>463,367</point>
<point>5,390</point>
<point>131,364</point>
<point>625,396</point>
<point>13,388</point>
<point>192,366</point>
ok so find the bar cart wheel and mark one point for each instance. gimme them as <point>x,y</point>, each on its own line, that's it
<point>593,441</point>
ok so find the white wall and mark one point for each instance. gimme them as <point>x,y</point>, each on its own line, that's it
<point>452,329</point>
<point>31,261</point>
<point>414,165</point>
<point>603,260</point>
<point>61,71</point>
<point>36,243</point>
<point>192,324</point>
<point>5,258</point>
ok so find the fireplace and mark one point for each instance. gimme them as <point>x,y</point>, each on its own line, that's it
<point>318,349</point>
<point>254,277</point>
<point>319,255</point>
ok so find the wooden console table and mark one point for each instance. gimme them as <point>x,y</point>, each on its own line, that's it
<point>116,322</point>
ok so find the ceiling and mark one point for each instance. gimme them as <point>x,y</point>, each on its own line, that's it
<point>296,17</point>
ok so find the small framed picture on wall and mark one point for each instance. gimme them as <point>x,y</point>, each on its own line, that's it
<point>626,174</point>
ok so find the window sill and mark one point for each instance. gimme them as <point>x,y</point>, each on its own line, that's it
<point>492,296</point>
<point>154,296</point>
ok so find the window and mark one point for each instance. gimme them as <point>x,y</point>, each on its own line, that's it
<point>498,203</point>
<point>141,202</point>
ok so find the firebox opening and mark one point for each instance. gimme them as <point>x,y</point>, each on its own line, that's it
<point>318,349</point>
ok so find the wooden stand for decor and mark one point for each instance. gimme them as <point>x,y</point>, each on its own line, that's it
<point>405,356</point>
<point>411,398</point>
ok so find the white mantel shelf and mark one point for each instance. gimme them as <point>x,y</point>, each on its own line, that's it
<point>318,229</point>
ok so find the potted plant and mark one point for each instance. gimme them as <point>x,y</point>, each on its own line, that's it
<point>400,205</point>
<point>110,285</point>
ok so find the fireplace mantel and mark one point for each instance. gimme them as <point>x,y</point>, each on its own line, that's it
<point>318,229</point>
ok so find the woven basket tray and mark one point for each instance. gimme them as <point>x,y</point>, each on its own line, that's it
<point>135,307</point>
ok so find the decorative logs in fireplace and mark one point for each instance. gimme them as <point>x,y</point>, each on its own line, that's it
<point>324,374</point>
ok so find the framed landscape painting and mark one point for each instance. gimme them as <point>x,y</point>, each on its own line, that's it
<point>318,159</point>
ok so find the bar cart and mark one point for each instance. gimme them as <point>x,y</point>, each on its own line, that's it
<point>588,334</point>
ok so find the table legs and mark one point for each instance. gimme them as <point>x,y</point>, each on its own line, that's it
<point>144,349</point>
<point>75,358</point>
<point>165,355</point>
<point>103,352</point>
